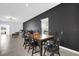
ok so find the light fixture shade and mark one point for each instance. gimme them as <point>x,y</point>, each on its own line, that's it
<point>10,17</point>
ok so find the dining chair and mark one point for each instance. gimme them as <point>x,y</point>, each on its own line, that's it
<point>26,40</point>
<point>33,44</point>
<point>53,48</point>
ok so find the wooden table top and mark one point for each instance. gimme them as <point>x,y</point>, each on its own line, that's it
<point>44,37</point>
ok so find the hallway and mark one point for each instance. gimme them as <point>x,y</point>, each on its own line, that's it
<point>15,48</point>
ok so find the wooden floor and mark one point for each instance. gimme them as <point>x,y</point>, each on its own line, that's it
<point>16,49</point>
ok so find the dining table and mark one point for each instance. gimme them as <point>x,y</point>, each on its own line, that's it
<point>41,39</point>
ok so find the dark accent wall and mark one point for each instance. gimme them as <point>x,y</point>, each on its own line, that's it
<point>64,17</point>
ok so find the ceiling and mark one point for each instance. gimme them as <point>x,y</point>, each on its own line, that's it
<point>23,11</point>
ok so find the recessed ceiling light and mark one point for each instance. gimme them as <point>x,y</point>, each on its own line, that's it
<point>27,4</point>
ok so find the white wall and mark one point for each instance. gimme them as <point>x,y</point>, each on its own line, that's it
<point>14,26</point>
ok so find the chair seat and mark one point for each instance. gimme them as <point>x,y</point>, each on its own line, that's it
<point>49,44</point>
<point>34,43</point>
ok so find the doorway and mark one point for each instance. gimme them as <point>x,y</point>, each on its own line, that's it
<point>45,26</point>
<point>4,37</point>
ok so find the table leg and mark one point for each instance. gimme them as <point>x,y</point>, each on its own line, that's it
<point>40,48</point>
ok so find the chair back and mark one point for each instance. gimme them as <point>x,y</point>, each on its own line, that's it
<point>58,38</point>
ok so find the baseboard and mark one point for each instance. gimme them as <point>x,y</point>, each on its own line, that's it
<point>70,50</point>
